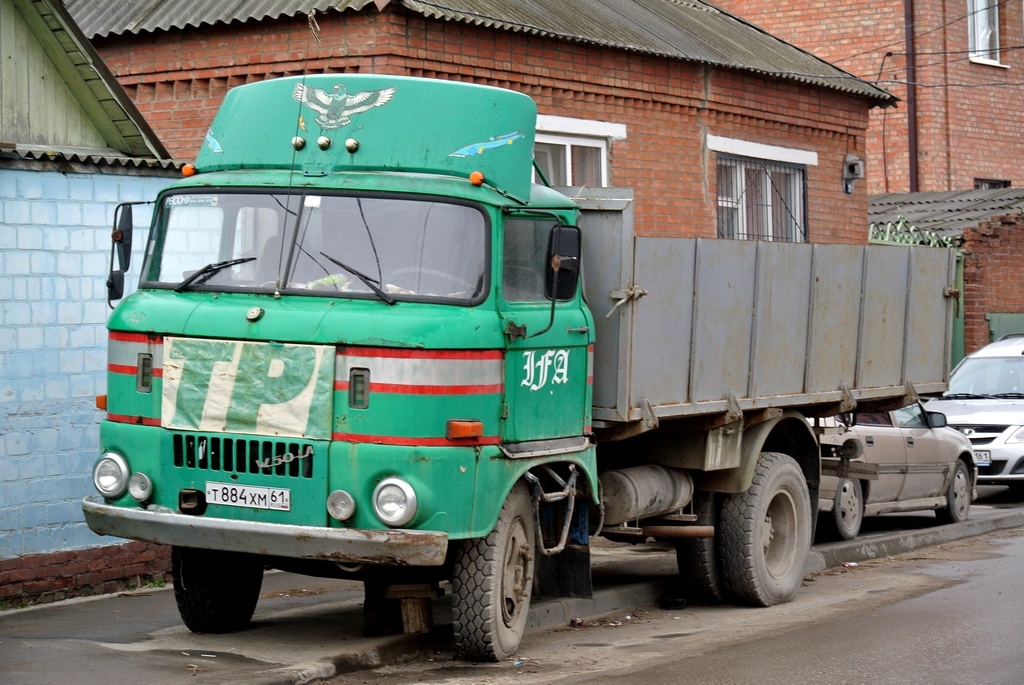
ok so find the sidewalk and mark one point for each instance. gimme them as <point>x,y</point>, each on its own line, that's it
<point>307,629</point>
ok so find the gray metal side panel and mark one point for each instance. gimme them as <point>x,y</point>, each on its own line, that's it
<point>607,227</point>
<point>927,353</point>
<point>883,316</point>
<point>723,296</point>
<point>835,297</point>
<point>772,324</point>
<point>663,317</point>
<point>783,293</point>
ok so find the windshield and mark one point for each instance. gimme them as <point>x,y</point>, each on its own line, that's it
<point>988,376</point>
<point>365,247</point>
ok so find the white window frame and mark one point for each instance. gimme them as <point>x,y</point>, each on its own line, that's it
<point>983,31</point>
<point>744,154</point>
<point>569,132</point>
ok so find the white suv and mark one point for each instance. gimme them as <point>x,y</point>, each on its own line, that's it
<point>985,402</point>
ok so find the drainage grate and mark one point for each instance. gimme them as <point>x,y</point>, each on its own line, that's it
<point>236,455</point>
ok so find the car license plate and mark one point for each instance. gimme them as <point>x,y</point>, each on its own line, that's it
<point>982,457</point>
<point>249,496</point>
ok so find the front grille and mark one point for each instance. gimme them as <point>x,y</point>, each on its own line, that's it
<point>236,455</point>
<point>993,469</point>
<point>980,435</point>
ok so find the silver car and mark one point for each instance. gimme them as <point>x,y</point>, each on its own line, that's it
<point>985,402</point>
<point>921,464</point>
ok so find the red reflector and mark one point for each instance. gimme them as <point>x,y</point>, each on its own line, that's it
<point>461,430</point>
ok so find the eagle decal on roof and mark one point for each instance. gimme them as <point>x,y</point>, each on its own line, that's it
<point>337,108</point>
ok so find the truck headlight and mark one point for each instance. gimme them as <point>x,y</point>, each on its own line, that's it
<point>140,487</point>
<point>394,502</point>
<point>110,475</point>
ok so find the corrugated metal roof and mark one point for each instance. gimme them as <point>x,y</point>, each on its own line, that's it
<point>946,213</point>
<point>687,30</point>
<point>90,156</point>
<point>98,92</point>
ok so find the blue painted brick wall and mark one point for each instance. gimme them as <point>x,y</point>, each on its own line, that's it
<point>54,255</point>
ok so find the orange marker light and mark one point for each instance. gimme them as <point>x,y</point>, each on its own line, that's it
<point>101,402</point>
<point>463,429</point>
<point>189,170</point>
<point>477,178</point>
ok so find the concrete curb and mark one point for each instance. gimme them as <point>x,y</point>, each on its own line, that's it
<point>838,553</point>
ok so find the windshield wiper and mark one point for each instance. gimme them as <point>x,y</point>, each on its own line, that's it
<point>207,272</point>
<point>369,282</point>
<point>1008,395</point>
<point>964,396</point>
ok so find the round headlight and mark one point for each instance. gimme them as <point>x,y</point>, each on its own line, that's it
<point>341,505</point>
<point>110,475</point>
<point>140,487</point>
<point>394,502</point>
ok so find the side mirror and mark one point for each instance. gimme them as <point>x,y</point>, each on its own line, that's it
<point>936,419</point>
<point>122,235</point>
<point>115,285</point>
<point>563,272</point>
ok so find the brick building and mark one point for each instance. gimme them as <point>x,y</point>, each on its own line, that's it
<point>72,146</point>
<point>720,129</point>
<point>952,63</point>
<point>710,120</point>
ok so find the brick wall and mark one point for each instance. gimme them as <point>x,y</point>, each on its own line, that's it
<point>44,578</point>
<point>993,270</point>
<point>54,253</point>
<point>968,114</point>
<point>178,79</point>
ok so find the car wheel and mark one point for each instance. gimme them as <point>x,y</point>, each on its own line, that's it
<point>848,511</point>
<point>958,496</point>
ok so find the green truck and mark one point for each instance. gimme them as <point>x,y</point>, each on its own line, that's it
<point>367,344</point>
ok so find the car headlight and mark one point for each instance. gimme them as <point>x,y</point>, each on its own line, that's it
<point>394,502</point>
<point>1016,436</point>
<point>110,475</point>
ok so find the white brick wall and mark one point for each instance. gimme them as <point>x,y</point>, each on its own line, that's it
<point>54,256</point>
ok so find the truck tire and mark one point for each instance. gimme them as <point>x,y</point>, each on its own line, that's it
<point>492,580</point>
<point>216,591</point>
<point>766,533</point>
<point>958,496</point>
<point>697,558</point>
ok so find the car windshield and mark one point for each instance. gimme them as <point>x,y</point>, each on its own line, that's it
<point>363,247</point>
<point>988,377</point>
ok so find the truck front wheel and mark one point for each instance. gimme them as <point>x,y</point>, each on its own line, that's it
<point>766,533</point>
<point>216,591</point>
<point>491,583</point>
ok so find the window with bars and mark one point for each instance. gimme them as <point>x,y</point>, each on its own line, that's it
<point>983,29</point>
<point>761,200</point>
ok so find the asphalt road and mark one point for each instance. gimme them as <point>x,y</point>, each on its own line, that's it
<point>308,629</point>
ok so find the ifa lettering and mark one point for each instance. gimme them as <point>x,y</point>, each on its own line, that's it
<point>541,367</point>
<point>246,387</point>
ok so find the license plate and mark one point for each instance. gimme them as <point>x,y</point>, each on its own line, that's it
<point>982,457</point>
<point>249,496</point>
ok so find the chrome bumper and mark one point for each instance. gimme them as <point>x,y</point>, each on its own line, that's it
<point>392,547</point>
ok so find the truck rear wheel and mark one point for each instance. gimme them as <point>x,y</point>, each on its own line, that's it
<point>491,583</point>
<point>766,533</point>
<point>697,557</point>
<point>216,591</point>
